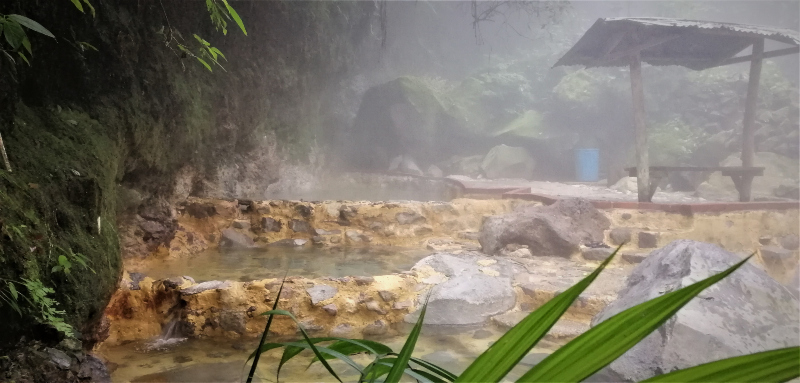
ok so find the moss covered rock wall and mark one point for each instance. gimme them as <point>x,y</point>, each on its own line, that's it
<point>83,128</point>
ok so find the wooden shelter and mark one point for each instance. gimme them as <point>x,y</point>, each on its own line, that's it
<point>698,45</point>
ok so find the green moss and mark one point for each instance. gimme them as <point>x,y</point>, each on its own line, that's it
<point>64,179</point>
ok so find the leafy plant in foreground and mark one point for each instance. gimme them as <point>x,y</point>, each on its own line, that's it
<point>574,362</point>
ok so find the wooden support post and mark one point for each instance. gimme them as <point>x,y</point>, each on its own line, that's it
<point>748,123</point>
<point>640,130</point>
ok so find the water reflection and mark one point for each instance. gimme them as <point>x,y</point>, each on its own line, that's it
<point>307,261</point>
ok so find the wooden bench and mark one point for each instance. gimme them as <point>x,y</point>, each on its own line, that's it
<point>742,176</point>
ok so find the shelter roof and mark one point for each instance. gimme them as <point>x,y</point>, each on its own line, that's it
<point>664,41</point>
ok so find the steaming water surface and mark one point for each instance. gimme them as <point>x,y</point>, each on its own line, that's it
<point>311,262</point>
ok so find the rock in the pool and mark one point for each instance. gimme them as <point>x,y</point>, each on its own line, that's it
<point>747,312</point>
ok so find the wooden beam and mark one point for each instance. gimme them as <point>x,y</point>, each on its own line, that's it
<point>766,55</point>
<point>634,50</point>
<point>748,123</point>
<point>640,130</point>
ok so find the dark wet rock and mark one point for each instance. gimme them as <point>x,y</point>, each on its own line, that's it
<point>626,216</point>
<point>596,254</point>
<point>70,344</point>
<point>379,327</point>
<point>357,236</point>
<point>270,224</point>
<point>232,320</point>
<point>361,281</point>
<point>346,213</point>
<point>173,283</point>
<point>746,312</point>
<point>305,211</point>
<point>387,296</point>
<point>201,210</point>
<point>558,229</point>
<point>331,309</point>
<point>619,235</point>
<point>135,279</point>
<point>790,242</point>
<point>299,226</point>
<point>241,224</point>
<point>343,330</point>
<point>319,293</point>
<point>182,359</point>
<point>317,240</point>
<point>648,240</point>
<point>233,239</point>
<point>481,334</point>
<point>204,286</point>
<point>633,258</point>
<point>59,358</point>
<point>93,369</point>
<point>409,217</point>
<point>289,242</point>
<point>153,228</point>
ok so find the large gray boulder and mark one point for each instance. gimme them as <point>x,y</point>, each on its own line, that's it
<point>744,313</point>
<point>558,229</point>
<point>508,162</point>
<point>469,289</point>
<point>232,239</point>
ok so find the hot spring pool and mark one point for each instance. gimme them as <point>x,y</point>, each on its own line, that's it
<point>274,262</point>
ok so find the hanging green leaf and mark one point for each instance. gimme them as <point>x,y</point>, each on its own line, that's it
<point>13,290</point>
<point>200,39</point>
<point>91,8</point>
<point>205,64</point>
<point>78,5</point>
<point>84,46</point>
<point>217,51</point>
<point>30,24</point>
<point>14,34</point>
<point>780,365</point>
<point>235,16</point>
<point>24,58</point>
<point>27,45</point>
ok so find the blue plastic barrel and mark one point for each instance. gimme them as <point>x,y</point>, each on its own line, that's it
<point>587,165</point>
